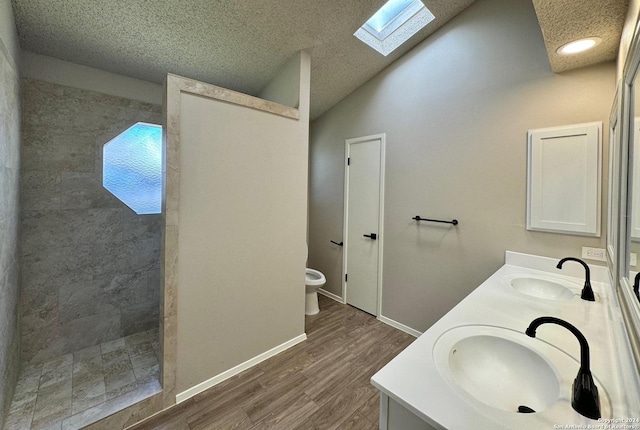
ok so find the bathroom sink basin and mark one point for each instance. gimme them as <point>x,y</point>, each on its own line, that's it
<point>539,287</point>
<point>498,367</point>
<point>507,370</point>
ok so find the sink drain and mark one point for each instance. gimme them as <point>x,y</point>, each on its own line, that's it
<point>525,410</point>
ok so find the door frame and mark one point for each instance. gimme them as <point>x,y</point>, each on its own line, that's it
<point>345,225</point>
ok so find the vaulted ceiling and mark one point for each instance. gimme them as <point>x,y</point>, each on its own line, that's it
<point>242,44</point>
<point>565,21</point>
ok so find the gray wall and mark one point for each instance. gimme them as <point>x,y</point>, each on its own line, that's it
<point>285,86</point>
<point>456,110</point>
<point>90,265</point>
<point>44,68</point>
<point>9,208</point>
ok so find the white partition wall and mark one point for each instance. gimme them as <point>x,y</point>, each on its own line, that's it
<point>235,231</point>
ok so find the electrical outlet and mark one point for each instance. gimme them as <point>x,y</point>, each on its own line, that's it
<point>633,259</point>
<point>593,253</point>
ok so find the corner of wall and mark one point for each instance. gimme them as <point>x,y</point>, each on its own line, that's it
<point>56,71</point>
<point>8,34</point>
<point>284,87</point>
<point>10,210</point>
<point>305,87</point>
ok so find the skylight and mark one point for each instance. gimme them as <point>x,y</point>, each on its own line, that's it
<point>393,24</point>
<point>387,13</point>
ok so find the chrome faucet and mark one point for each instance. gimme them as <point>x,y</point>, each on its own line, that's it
<point>585,399</point>
<point>587,292</point>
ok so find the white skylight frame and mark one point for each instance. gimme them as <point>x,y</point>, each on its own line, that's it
<point>412,19</point>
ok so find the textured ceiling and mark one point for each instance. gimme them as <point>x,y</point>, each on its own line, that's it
<point>242,44</point>
<point>238,44</point>
<point>565,21</point>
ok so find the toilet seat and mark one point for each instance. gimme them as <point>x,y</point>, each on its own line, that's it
<point>313,280</point>
<point>313,277</point>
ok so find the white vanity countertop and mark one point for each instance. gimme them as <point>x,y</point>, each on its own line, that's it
<point>413,380</point>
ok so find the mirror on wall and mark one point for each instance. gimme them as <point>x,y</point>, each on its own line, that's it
<point>625,133</point>
<point>614,186</point>
<point>633,217</point>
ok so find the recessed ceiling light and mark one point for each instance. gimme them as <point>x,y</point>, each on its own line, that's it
<point>394,23</point>
<point>578,46</point>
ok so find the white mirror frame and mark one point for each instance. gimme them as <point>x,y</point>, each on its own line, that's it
<point>630,307</point>
<point>613,193</point>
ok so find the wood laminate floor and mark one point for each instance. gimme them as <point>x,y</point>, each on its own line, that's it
<point>319,384</point>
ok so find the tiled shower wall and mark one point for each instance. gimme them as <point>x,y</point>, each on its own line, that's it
<point>9,224</point>
<point>90,265</point>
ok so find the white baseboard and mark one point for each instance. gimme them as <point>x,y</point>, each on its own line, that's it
<point>402,327</point>
<point>180,397</point>
<point>381,318</point>
<point>335,297</point>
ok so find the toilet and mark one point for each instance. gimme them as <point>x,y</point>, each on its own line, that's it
<point>313,281</point>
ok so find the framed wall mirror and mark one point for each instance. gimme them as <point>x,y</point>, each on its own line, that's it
<point>633,174</point>
<point>613,194</point>
<point>626,134</point>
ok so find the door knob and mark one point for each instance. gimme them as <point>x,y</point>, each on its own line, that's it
<point>371,236</point>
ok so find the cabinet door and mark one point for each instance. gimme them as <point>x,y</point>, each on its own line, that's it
<point>394,416</point>
<point>563,179</point>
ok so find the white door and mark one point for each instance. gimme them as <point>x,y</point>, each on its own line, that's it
<point>363,221</point>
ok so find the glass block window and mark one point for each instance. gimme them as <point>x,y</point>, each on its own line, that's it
<point>132,167</point>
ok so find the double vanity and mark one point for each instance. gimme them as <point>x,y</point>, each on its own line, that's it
<point>479,367</point>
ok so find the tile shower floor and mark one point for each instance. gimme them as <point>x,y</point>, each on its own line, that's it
<point>82,387</point>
